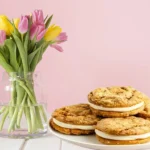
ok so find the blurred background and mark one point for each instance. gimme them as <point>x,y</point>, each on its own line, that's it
<point>108,44</point>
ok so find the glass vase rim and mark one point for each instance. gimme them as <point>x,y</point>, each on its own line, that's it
<point>21,73</point>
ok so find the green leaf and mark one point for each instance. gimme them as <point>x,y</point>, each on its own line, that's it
<point>35,61</point>
<point>20,70</point>
<point>32,55</point>
<point>40,43</point>
<point>26,41</point>
<point>22,52</point>
<point>19,60</point>
<point>5,52</point>
<point>38,56</point>
<point>16,32</point>
<point>46,46</point>
<point>5,65</point>
<point>32,45</point>
<point>48,21</point>
<point>13,56</point>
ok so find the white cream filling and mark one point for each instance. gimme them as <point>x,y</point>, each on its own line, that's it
<point>121,138</point>
<point>71,126</point>
<point>121,109</point>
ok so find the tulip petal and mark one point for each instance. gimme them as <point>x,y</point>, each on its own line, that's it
<point>37,17</point>
<point>62,37</point>
<point>34,17</point>
<point>16,22</point>
<point>40,16</point>
<point>52,32</point>
<point>6,25</point>
<point>23,25</point>
<point>57,47</point>
<point>40,35</point>
<point>37,31</point>
<point>33,31</point>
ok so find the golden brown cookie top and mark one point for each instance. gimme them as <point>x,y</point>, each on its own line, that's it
<point>79,114</point>
<point>124,126</point>
<point>116,97</point>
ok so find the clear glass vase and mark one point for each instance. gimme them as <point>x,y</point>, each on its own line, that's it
<point>22,108</point>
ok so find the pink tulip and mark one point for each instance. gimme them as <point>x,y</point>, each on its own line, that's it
<point>23,25</point>
<point>37,17</point>
<point>2,37</point>
<point>61,38</point>
<point>37,31</point>
<point>33,31</point>
<point>57,47</point>
<point>41,32</point>
<point>38,27</point>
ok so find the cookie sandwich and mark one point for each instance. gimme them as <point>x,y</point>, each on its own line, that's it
<point>75,120</point>
<point>123,131</point>
<point>146,112</point>
<point>116,101</point>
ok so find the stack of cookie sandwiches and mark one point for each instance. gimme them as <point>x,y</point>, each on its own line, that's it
<point>117,115</point>
<point>124,111</point>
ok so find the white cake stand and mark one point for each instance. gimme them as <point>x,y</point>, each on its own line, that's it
<point>90,141</point>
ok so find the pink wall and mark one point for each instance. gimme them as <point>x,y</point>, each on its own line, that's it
<point>109,44</point>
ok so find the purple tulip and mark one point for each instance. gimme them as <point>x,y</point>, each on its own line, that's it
<point>57,47</point>
<point>37,17</point>
<point>23,25</point>
<point>2,37</point>
<point>37,31</point>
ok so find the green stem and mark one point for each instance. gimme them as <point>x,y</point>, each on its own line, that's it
<point>15,107</point>
<point>13,97</point>
<point>2,109</point>
<point>13,119</point>
<point>37,108</point>
<point>22,84</point>
<point>38,118</point>
<point>28,118</point>
<point>20,94</point>
<point>32,114</point>
<point>20,113</point>
<point>32,98</point>
<point>3,118</point>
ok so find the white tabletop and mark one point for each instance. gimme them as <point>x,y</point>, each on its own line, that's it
<point>10,144</point>
<point>48,142</point>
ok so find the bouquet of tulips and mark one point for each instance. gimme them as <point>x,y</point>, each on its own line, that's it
<point>23,42</point>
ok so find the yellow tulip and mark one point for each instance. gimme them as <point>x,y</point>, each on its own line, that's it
<point>16,22</point>
<point>6,25</point>
<point>52,32</point>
